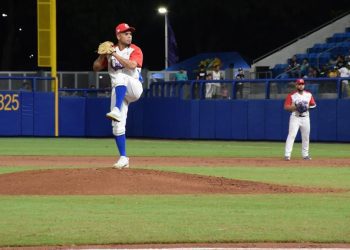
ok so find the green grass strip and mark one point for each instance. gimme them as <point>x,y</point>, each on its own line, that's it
<point>8,170</point>
<point>106,146</point>
<point>69,220</point>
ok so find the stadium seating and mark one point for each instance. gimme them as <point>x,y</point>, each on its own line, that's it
<point>320,53</point>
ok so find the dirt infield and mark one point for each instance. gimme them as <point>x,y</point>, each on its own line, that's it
<point>98,178</point>
<point>94,176</point>
<point>106,161</point>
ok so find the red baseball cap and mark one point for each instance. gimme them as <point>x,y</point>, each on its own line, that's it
<point>300,81</point>
<point>123,27</point>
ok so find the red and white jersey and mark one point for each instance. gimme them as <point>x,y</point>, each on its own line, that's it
<point>306,97</point>
<point>132,53</point>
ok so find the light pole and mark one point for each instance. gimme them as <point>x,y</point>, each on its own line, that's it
<point>164,11</point>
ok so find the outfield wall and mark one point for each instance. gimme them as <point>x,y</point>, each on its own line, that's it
<point>234,119</point>
<point>32,114</point>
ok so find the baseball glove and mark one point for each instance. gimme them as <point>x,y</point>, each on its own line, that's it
<point>105,48</point>
<point>301,107</point>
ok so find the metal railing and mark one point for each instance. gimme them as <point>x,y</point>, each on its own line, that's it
<point>328,88</point>
<point>323,88</point>
<point>66,79</point>
<point>31,81</point>
<point>100,93</point>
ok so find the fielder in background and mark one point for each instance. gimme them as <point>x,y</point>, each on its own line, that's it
<point>124,62</point>
<point>298,103</point>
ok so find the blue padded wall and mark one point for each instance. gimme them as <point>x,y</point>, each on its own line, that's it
<point>151,118</point>
<point>194,118</point>
<point>27,120</point>
<point>326,123</point>
<point>156,118</point>
<point>256,120</point>
<point>10,123</point>
<point>10,119</point>
<point>223,121</point>
<point>207,118</point>
<point>72,116</point>
<point>95,119</point>
<point>169,118</point>
<point>162,118</point>
<point>274,119</point>
<point>285,124</point>
<point>134,123</point>
<point>172,118</point>
<point>239,120</point>
<point>314,124</point>
<point>44,114</point>
<point>343,120</point>
<point>181,125</point>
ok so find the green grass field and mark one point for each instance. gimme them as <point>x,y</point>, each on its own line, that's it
<point>83,220</point>
<point>69,146</point>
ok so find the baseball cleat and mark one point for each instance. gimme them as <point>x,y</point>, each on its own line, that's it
<point>114,115</point>
<point>307,158</point>
<point>287,158</point>
<point>123,162</point>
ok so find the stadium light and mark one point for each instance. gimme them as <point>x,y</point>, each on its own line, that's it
<point>164,11</point>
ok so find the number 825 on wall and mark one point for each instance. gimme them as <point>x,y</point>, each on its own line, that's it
<point>9,102</point>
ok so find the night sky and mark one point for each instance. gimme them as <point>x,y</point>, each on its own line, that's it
<point>250,27</point>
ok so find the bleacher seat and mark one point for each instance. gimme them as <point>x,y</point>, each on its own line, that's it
<point>278,69</point>
<point>313,58</point>
<point>339,37</point>
<point>318,47</point>
<point>329,46</point>
<point>319,59</point>
<point>321,53</point>
<point>343,48</point>
<point>301,57</point>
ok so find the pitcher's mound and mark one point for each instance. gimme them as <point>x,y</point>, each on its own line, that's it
<point>108,181</point>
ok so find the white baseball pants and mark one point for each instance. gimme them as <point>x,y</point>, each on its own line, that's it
<point>133,93</point>
<point>296,123</point>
